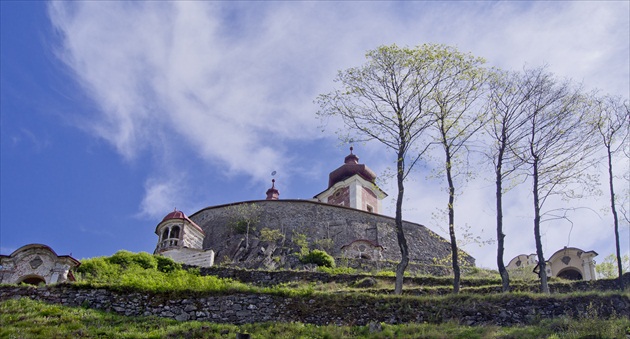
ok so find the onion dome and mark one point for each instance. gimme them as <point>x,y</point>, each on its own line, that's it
<point>273,193</point>
<point>351,167</point>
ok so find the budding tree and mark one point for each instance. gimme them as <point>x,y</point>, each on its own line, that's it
<point>612,121</point>
<point>458,116</point>
<point>387,100</point>
<point>556,150</point>
<point>507,106</point>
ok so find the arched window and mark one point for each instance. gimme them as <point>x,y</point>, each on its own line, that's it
<point>165,234</point>
<point>175,232</point>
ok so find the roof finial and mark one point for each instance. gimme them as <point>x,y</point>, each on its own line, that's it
<point>351,148</point>
<point>273,183</point>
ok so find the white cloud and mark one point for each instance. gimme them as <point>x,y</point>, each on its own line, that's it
<point>233,83</point>
<point>161,197</point>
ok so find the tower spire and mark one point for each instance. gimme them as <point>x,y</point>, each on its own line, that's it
<point>273,193</point>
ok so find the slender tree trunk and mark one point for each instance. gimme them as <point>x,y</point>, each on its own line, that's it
<point>451,222</point>
<point>247,237</point>
<point>505,278</point>
<point>542,264</point>
<point>402,241</point>
<point>615,218</point>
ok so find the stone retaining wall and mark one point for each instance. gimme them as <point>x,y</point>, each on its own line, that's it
<point>484,286</point>
<point>239,308</point>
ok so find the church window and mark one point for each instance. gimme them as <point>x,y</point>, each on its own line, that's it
<point>165,234</point>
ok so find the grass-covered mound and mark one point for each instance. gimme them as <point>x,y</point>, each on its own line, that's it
<point>26,318</point>
<point>151,273</point>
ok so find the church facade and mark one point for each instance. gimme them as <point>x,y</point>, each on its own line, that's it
<point>344,220</point>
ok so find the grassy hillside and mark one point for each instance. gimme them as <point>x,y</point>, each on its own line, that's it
<point>126,271</point>
<point>26,318</point>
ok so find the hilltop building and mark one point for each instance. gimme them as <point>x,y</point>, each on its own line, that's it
<point>344,220</point>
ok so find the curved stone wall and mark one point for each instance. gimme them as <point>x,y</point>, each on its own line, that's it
<point>328,225</point>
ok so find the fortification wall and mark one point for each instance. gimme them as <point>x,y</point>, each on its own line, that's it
<point>328,225</point>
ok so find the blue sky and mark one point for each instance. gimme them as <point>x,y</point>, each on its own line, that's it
<point>114,113</point>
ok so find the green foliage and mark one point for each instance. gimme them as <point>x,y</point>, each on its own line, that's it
<point>244,217</point>
<point>324,244</point>
<point>336,270</point>
<point>608,268</point>
<point>141,271</point>
<point>166,265</point>
<point>26,318</point>
<point>270,235</point>
<point>127,259</point>
<point>319,258</point>
<point>300,240</point>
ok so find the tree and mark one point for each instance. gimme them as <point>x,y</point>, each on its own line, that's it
<point>556,150</point>
<point>387,100</point>
<point>507,100</point>
<point>609,268</point>
<point>460,83</point>
<point>613,117</point>
<point>244,218</point>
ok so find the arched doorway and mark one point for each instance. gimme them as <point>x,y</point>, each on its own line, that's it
<point>570,273</point>
<point>33,280</point>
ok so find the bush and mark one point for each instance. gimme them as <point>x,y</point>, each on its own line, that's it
<point>126,259</point>
<point>269,235</point>
<point>319,258</point>
<point>167,265</point>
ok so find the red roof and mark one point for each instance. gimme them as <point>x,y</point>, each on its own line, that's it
<point>350,167</point>
<point>180,215</point>
<point>175,215</point>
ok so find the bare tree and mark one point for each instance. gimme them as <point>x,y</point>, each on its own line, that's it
<point>613,117</point>
<point>387,99</point>
<point>458,116</point>
<point>556,150</point>
<point>509,95</point>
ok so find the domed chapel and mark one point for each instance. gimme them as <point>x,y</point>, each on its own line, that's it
<point>345,220</point>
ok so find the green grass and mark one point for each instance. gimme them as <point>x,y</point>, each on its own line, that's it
<point>126,271</point>
<point>25,318</point>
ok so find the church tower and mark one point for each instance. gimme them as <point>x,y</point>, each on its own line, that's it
<point>353,185</point>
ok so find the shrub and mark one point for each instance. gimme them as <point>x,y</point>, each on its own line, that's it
<point>269,235</point>
<point>126,259</point>
<point>121,258</point>
<point>166,264</point>
<point>319,258</point>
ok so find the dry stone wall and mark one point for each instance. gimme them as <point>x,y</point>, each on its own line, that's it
<point>239,308</point>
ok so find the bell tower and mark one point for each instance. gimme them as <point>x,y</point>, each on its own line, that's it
<point>353,185</point>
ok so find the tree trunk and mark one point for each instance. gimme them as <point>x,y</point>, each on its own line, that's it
<point>542,264</point>
<point>615,218</point>
<point>451,222</point>
<point>247,237</point>
<point>505,277</point>
<point>402,241</point>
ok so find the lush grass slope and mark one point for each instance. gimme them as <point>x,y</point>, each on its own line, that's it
<point>124,270</point>
<point>26,318</point>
